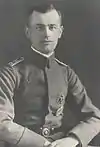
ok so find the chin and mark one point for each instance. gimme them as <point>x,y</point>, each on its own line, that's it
<point>47,51</point>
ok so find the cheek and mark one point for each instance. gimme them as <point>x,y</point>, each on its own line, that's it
<point>35,36</point>
<point>56,34</point>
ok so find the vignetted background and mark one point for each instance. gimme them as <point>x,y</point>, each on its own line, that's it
<point>79,46</point>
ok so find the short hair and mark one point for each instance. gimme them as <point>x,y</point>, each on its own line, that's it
<point>45,7</point>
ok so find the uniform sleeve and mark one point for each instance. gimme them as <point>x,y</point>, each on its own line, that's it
<point>89,124</point>
<point>11,132</point>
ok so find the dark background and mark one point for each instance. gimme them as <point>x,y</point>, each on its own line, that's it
<point>79,46</point>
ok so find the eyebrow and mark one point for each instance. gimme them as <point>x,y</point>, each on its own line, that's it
<point>44,25</point>
<point>39,24</point>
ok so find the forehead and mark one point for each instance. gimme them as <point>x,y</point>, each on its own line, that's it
<point>50,17</point>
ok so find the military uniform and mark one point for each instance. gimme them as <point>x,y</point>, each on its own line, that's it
<point>33,95</point>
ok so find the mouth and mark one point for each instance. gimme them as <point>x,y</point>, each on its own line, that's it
<point>46,41</point>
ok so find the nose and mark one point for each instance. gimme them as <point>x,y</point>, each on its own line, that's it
<point>47,32</point>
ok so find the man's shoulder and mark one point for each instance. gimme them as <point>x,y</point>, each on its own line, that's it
<point>61,63</point>
<point>16,61</point>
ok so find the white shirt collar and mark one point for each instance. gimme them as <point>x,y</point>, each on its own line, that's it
<point>47,56</point>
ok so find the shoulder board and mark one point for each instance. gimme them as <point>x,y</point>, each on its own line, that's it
<point>15,62</point>
<point>61,62</point>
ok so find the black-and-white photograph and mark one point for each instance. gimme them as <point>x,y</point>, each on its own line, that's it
<point>49,73</point>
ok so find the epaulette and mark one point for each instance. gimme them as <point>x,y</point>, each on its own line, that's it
<point>16,61</point>
<point>61,62</point>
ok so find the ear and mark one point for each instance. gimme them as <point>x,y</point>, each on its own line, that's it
<point>27,32</point>
<point>61,29</point>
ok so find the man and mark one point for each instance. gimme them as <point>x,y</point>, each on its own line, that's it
<point>35,88</point>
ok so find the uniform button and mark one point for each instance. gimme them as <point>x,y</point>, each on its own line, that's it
<point>52,129</point>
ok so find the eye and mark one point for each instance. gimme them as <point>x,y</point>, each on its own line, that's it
<point>39,27</point>
<point>52,27</point>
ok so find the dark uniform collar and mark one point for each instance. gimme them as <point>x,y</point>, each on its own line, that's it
<point>40,60</point>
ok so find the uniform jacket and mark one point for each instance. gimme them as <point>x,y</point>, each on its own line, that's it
<point>33,94</point>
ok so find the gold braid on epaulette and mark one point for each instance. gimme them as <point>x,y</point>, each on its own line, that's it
<point>18,60</point>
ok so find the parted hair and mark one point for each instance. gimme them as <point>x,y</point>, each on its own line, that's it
<point>44,7</point>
